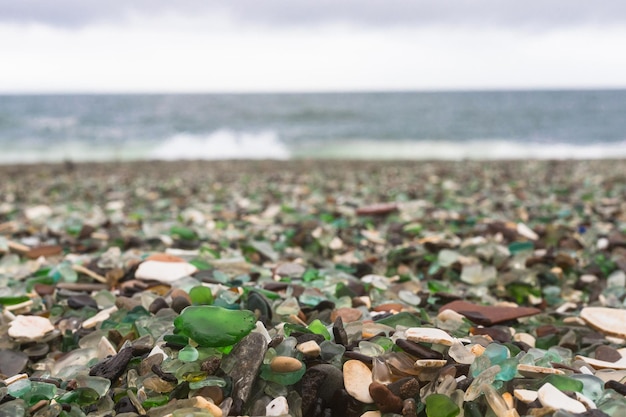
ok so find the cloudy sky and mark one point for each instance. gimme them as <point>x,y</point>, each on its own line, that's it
<point>309,45</point>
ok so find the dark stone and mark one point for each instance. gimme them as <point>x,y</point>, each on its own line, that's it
<point>82,300</point>
<point>248,354</point>
<point>180,303</point>
<point>158,304</point>
<point>358,356</point>
<point>496,333</point>
<point>409,408</point>
<point>489,315</point>
<point>257,302</point>
<point>617,386</point>
<point>309,384</point>
<point>124,405</point>
<point>210,365</point>
<point>386,401</point>
<point>607,354</point>
<point>165,376</point>
<point>339,332</point>
<point>113,367</point>
<point>181,391</point>
<point>418,350</point>
<point>333,381</point>
<point>12,362</point>
<point>305,337</point>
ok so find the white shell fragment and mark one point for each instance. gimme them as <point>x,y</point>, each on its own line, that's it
<point>551,396</point>
<point>166,272</point>
<point>29,327</point>
<point>428,335</point>
<point>606,320</point>
<point>277,407</point>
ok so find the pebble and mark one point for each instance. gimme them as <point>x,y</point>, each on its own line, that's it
<point>247,357</point>
<point>347,314</point>
<point>552,397</point>
<point>285,364</point>
<point>29,327</point>
<point>489,315</point>
<point>357,378</point>
<point>12,362</point>
<point>310,349</point>
<point>386,401</point>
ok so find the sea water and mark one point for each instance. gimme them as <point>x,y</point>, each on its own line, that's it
<point>584,124</point>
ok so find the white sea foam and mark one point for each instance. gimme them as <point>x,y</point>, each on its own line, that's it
<point>449,150</point>
<point>222,144</point>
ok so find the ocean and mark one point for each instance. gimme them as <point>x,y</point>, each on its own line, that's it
<point>584,124</point>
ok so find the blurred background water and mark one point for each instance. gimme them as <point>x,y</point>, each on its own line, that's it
<point>584,124</point>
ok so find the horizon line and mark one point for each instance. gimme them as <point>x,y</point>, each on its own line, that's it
<point>321,91</point>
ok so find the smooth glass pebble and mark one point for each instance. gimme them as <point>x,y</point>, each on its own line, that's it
<point>461,354</point>
<point>215,326</point>
<point>188,354</point>
<point>80,396</point>
<point>496,353</point>
<point>508,371</point>
<point>439,405</point>
<point>210,381</point>
<point>201,295</point>
<point>20,387</point>
<point>593,387</point>
<point>486,377</point>
<point>370,349</point>
<point>564,383</point>
<point>318,327</point>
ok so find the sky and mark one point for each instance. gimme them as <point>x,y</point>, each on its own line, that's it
<point>83,46</point>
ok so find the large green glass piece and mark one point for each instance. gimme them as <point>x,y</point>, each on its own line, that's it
<point>564,383</point>
<point>215,326</point>
<point>439,405</point>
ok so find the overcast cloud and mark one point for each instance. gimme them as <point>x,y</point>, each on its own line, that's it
<point>519,14</point>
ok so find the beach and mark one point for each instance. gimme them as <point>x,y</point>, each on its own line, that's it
<point>313,288</point>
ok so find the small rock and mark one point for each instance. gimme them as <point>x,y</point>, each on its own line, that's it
<point>44,250</point>
<point>82,300</point>
<point>180,303</point>
<point>158,304</point>
<point>285,364</point>
<point>380,209</point>
<point>12,362</point>
<point>290,269</point>
<point>386,400</point>
<point>310,349</point>
<point>29,327</point>
<point>277,407</point>
<point>347,314</point>
<point>357,378</point>
<point>607,354</point>
<point>550,396</point>
<point>248,355</point>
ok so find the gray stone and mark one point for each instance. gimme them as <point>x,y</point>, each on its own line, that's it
<point>248,357</point>
<point>12,362</point>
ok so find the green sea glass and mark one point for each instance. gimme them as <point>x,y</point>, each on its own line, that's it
<point>439,405</point>
<point>215,326</point>
<point>201,295</point>
<point>80,396</point>
<point>283,378</point>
